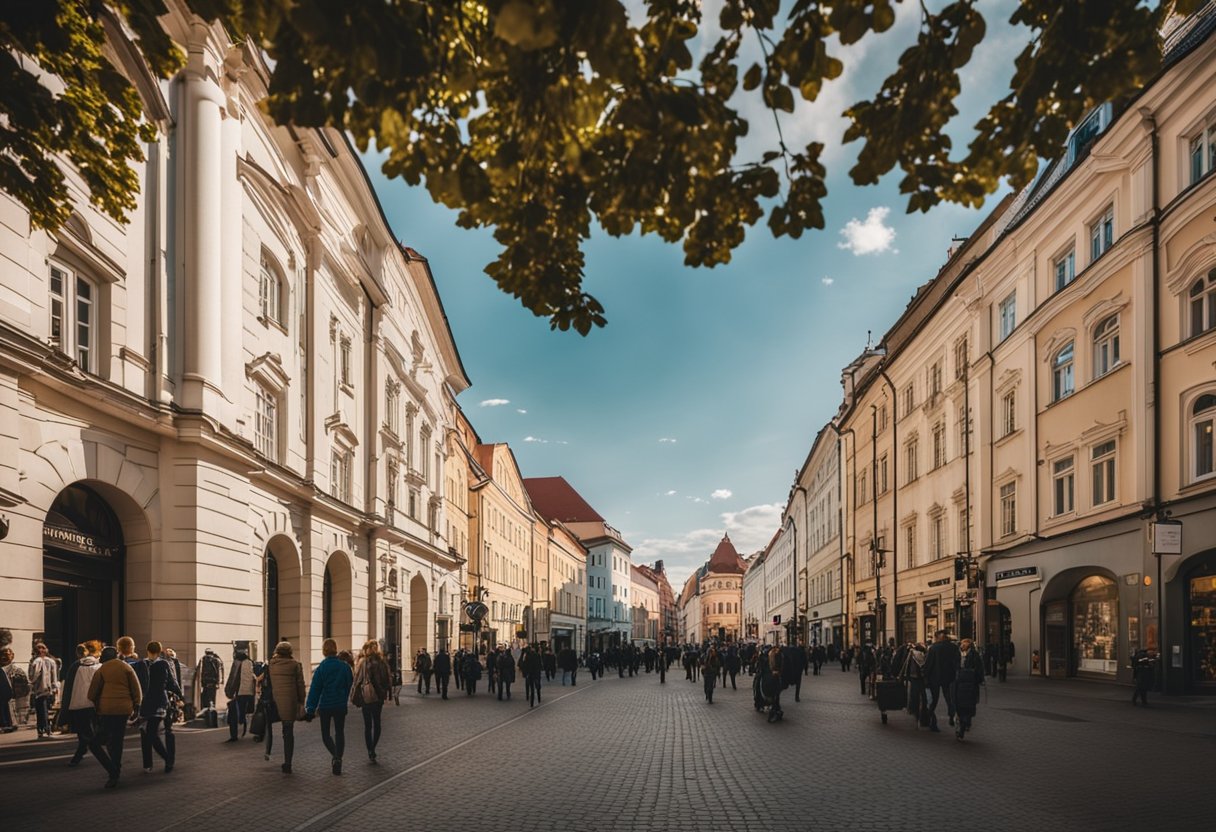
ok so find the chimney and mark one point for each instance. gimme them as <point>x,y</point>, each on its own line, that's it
<point>658,566</point>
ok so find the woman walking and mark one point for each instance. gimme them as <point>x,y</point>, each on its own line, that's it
<point>967,683</point>
<point>44,684</point>
<point>77,712</point>
<point>372,686</point>
<point>115,693</point>
<point>327,695</point>
<point>709,673</point>
<point>286,681</point>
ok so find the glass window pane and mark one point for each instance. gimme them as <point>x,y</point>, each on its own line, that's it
<point>1203,448</point>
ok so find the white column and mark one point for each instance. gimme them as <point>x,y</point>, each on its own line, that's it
<point>231,322</point>
<point>202,211</point>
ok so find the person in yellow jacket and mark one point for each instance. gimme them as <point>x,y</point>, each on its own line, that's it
<point>116,694</point>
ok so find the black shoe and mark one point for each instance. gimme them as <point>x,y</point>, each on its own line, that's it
<point>232,739</point>
<point>286,768</point>
<point>371,758</point>
<point>337,766</point>
<point>168,767</point>
<point>72,763</point>
<point>112,783</point>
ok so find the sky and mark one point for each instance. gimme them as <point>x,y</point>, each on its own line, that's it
<point>688,416</point>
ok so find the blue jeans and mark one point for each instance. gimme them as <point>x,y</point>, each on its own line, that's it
<point>42,707</point>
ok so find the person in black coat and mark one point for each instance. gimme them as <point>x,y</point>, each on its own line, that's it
<point>532,667</point>
<point>867,662</point>
<point>967,684</point>
<point>442,667</point>
<point>504,668</point>
<point>794,667</point>
<point>941,666</point>
<point>731,665</point>
<point>568,662</point>
<point>1144,671</point>
<point>158,681</point>
<point>550,664</point>
<point>472,672</point>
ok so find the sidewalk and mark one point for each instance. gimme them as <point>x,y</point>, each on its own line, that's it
<point>1100,691</point>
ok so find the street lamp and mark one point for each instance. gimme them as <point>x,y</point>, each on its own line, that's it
<point>792,625</point>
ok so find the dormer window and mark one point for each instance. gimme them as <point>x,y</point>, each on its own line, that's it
<point>1087,132</point>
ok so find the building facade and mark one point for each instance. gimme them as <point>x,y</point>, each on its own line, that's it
<point>668,627</point>
<point>755,599</point>
<point>193,405</point>
<point>501,540</point>
<point>644,607</point>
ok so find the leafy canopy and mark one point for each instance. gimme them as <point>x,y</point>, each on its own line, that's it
<point>536,117</point>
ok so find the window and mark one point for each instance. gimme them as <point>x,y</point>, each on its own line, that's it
<point>882,418</point>
<point>910,454</point>
<point>935,378</point>
<point>861,486</point>
<point>392,406</point>
<point>344,362</point>
<point>270,292</point>
<point>909,399</point>
<point>1062,486</point>
<point>1009,412</point>
<point>1104,472</point>
<point>1065,268</point>
<point>1009,508</point>
<point>1106,346</point>
<point>424,441</point>
<point>1202,154</point>
<point>882,474</point>
<point>961,421</point>
<point>1087,132</point>
<point>939,444</point>
<point>910,545</point>
<point>1203,304</point>
<point>962,358</point>
<point>391,479</point>
<point>266,424</point>
<point>937,535</point>
<point>1061,373</point>
<point>74,317</point>
<point>1102,234</point>
<point>964,530</point>
<point>1203,415</point>
<point>1008,315</point>
<point>340,465</point>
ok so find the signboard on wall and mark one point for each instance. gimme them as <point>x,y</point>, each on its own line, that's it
<point>1166,537</point>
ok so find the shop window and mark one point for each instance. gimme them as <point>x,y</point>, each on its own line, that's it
<point>1106,346</point>
<point>1202,628</point>
<point>1202,304</point>
<point>1203,419</point>
<point>1095,626</point>
<point>1103,458</point>
<point>73,308</point>
<point>1063,480</point>
<point>1062,373</point>
<point>905,616</point>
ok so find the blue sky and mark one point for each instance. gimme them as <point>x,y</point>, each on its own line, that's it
<point>690,413</point>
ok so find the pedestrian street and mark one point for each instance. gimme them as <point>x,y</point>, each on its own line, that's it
<point>632,753</point>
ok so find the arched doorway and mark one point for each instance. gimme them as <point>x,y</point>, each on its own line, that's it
<point>1199,597</point>
<point>281,594</point>
<point>1095,626</point>
<point>418,616</point>
<point>83,565</point>
<point>337,602</point>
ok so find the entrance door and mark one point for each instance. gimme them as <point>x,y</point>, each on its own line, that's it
<point>82,567</point>
<point>1055,638</point>
<point>392,639</point>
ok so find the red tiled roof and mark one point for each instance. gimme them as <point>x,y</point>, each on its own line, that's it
<point>726,559</point>
<point>556,499</point>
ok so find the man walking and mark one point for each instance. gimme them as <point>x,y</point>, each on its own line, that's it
<point>941,666</point>
<point>531,666</point>
<point>442,666</point>
<point>866,664</point>
<point>157,680</point>
<point>422,667</point>
<point>115,693</point>
<point>794,660</point>
<point>209,672</point>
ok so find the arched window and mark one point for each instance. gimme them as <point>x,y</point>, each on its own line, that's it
<point>1203,304</point>
<point>1203,419</point>
<point>1106,346</point>
<point>270,290</point>
<point>1061,373</point>
<point>327,605</point>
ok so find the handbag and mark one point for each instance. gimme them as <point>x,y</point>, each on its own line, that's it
<point>257,725</point>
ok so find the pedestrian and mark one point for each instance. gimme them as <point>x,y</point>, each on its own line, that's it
<point>967,683</point>
<point>504,669</point>
<point>209,672</point>
<point>458,668</point>
<point>327,695</point>
<point>285,676</point>
<point>491,669</point>
<point>394,669</point>
<point>422,669</point>
<point>77,713</point>
<point>772,683</point>
<point>1144,667</point>
<point>115,693</point>
<point>6,694</point>
<point>941,666</point>
<point>731,666</point>
<point>471,672</point>
<point>1005,658</point>
<point>710,670</point>
<point>866,664</point>
<point>176,703</point>
<point>371,687</point>
<point>44,684</point>
<point>442,667</point>
<point>794,664</point>
<point>594,667</point>
<point>549,660</point>
<point>568,662</point>
<point>912,674</point>
<point>158,684</point>
<point>239,689</point>
<point>20,683</point>
<point>531,665</point>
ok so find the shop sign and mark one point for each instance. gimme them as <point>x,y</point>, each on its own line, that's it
<point>1167,537</point>
<point>65,537</point>
<point>1014,574</point>
<point>939,582</point>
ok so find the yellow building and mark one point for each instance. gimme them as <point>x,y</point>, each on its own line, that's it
<point>501,532</point>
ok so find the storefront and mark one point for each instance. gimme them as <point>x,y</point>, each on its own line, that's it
<point>905,623</point>
<point>1191,643</point>
<point>932,609</point>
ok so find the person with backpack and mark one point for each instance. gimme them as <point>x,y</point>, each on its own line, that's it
<point>327,695</point>
<point>239,689</point>
<point>158,683</point>
<point>209,672</point>
<point>117,696</point>
<point>77,713</point>
<point>285,684</point>
<point>371,688</point>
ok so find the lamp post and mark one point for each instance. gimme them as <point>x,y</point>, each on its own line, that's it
<point>792,626</point>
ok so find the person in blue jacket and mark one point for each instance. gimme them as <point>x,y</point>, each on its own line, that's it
<point>328,694</point>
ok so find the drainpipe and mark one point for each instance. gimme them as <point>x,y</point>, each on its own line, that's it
<point>1154,139</point>
<point>894,489</point>
<point>840,473</point>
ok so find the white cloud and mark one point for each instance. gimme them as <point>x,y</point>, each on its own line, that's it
<point>495,402</point>
<point>535,439</point>
<point>869,236</point>
<point>827,281</point>
<point>722,494</point>
<point>750,530</point>
<point>538,441</point>
<point>667,440</point>
<point>520,410</point>
<point>671,493</point>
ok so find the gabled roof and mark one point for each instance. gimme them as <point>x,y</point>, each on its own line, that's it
<point>725,559</point>
<point>556,499</point>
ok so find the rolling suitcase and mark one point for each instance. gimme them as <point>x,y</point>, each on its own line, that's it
<point>891,695</point>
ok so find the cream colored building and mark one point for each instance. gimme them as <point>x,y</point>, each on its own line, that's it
<point>195,422</point>
<point>567,589</point>
<point>755,600</point>
<point>711,604</point>
<point>644,607</point>
<point>500,538</point>
<point>821,552</point>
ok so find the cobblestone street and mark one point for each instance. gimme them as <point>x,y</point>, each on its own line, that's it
<point>631,754</point>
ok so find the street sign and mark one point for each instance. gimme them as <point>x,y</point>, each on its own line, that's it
<point>1020,572</point>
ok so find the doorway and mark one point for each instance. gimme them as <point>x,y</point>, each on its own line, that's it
<point>82,568</point>
<point>392,639</point>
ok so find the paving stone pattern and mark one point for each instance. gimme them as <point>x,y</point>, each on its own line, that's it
<point>625,754</point>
